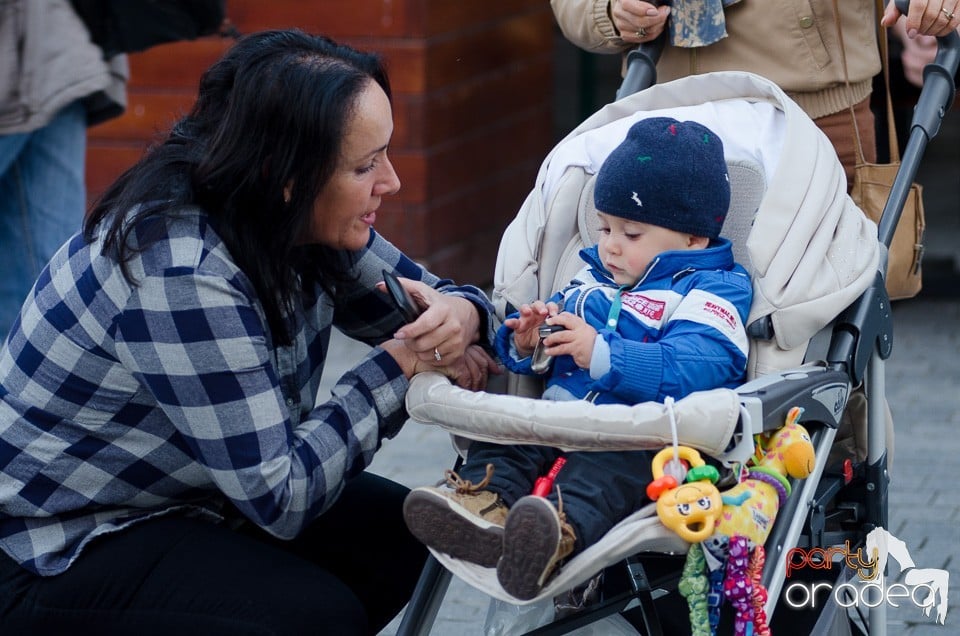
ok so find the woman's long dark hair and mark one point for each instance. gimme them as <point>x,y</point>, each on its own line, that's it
<point>270,116</point>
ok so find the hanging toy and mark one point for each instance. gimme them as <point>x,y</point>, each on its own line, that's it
<point>737,586</point>
<point>758,595</point>
<point>687,500</point>
<point>750,507</point>
<point>735,551</point>
<point>544,485</point>
<point>694,586</point>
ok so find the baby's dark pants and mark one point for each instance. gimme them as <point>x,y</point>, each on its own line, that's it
<point>598,489</point>
<point>349,572</point>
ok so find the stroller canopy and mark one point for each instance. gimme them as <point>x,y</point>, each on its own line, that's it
<point>809,249</point>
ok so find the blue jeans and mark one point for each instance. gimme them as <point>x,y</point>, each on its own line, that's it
<point>42,201</point>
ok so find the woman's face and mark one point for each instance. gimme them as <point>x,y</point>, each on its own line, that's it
<point>347,206</point>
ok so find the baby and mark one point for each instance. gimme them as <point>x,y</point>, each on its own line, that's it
<point>657,311</point>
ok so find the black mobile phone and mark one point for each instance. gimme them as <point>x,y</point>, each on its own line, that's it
<point>401,298</point>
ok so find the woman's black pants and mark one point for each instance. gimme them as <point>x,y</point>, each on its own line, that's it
<point>350,572</point>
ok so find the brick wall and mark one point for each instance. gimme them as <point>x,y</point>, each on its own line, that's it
<point>472,85</point>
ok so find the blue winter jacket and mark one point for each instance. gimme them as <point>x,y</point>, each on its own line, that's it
<point>680,329</point>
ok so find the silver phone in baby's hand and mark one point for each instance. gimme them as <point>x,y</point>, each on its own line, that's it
<point>545,330</point>
<point>540,363</point>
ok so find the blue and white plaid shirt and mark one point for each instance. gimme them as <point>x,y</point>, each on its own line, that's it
<point>120,402</point>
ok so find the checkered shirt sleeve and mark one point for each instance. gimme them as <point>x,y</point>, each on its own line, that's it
<point>119,402</point>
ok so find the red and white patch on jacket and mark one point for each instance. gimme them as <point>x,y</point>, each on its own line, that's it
<point>652,307</point>
<point>644,306</point>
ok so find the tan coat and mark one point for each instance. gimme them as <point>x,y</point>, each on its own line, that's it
<point>794,43</point>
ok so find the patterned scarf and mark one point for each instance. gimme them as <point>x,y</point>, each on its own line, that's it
<point>697,22</point>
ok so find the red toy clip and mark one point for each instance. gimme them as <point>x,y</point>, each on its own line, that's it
<point>543,485</point>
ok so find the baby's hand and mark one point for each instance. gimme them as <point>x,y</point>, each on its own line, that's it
<point>525,336</point>
<point>575,340</point>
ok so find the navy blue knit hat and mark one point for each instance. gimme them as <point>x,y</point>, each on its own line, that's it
<point>667,173</point>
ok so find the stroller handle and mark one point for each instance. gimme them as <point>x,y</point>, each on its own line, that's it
<point>936,98</point>
<point>856,335</point>
<point>641,70</point>
<point>641,65</point>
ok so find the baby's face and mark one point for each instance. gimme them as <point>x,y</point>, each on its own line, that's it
<point>627,247</point>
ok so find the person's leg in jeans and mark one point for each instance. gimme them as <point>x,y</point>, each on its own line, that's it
<point>42,200</point>
<point>174,575</point>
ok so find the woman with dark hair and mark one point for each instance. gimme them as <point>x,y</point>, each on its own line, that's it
<point>164,464</point>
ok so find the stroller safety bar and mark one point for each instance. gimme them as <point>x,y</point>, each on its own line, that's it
<point>708,419</point>
<point>821,392</point>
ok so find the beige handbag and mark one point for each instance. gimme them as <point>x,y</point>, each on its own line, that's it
<point>871,188</point>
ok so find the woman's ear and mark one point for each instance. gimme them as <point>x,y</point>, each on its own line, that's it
<point>287,189</point>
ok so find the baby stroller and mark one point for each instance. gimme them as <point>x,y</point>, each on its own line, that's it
<point>820,326</point>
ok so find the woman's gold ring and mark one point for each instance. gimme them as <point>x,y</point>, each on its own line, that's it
<point>947,13</point>
<point>642,33</point>
<point>436,355</point>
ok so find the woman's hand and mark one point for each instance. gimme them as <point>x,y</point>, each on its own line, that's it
<point>442,332</point>
<point>469,371</point>
<point>442,339</point>
<point>926,17</point>
<point>525,334</point>
<point>575,340</point>
<point>638,21</point>
<point>472,370</point>
<point>917,53</point>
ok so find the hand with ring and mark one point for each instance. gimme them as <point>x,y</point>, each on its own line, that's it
<point>441,337</point>
<point>469,371</point>
<point>638,21</point>
<point>916,52</point>
<point>926,17</point>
